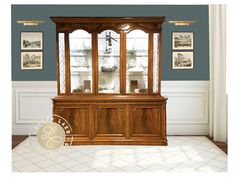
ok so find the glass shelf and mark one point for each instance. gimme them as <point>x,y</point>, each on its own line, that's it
<point>105,56</point>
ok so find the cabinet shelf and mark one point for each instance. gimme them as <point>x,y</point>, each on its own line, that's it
<point>108,56</point>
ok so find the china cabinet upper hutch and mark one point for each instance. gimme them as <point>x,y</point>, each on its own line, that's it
<point>109,79</point>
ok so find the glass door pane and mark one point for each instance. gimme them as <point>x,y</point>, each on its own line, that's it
<point>108,62</point>
<point>137,62</point>
<point>80,61</point>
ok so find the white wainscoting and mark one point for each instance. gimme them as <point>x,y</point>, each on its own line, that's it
<point>187,105</point>
<point>31,104</point>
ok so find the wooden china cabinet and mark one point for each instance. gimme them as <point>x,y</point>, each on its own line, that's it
<point>109,79</point>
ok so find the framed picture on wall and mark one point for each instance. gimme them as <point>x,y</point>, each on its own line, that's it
<point>182,60</point>
<point>182,40</point>
<point>31,40</point>
<point>31,60</point>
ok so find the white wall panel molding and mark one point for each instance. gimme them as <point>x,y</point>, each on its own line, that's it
<point>31,104</point>
<point>187,101</point>
<point>187,105</point>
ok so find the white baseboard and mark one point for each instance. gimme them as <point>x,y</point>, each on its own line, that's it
<point>187,105</point>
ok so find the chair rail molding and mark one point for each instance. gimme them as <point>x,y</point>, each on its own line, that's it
<point>187,107</point>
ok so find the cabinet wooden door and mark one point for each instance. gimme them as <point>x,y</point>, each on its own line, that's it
<point>145,120</point>
<point>77,117</point>
<point>109,120</point>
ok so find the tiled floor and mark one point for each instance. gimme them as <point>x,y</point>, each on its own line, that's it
<point>183,154</point>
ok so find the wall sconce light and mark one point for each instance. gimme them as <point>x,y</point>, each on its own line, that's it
<point>182,22</point>
<point>30,22</point>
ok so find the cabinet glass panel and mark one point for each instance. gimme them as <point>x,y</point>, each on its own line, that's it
<point>80,61</point>
<point>137,62</point>
<point>108,62</point>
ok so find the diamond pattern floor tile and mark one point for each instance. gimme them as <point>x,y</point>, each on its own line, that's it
<point>183,154</point>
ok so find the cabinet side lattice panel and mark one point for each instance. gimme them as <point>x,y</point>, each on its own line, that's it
<point>61,40</point>
<point>155,63</point>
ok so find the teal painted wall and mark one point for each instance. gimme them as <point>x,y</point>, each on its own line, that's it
<point>172,12</point>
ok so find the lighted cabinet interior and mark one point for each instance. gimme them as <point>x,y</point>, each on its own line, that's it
<point>109,79</point>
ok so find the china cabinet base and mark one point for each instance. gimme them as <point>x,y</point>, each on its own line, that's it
<point>114,121</point>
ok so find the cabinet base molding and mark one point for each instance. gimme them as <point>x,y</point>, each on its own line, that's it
<point>116,141</point>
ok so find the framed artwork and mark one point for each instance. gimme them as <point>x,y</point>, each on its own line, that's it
<point>31,60</point>
<point>182,40</point>
<point>182,60</point>
<point>31,40</point>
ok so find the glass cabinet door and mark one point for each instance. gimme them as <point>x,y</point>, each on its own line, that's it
<point>137,62</point>
<point>108,62</point>
<point>80,61</point>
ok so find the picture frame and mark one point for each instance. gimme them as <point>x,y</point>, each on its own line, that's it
<point>182,40</point>
<point>31,40</point>
<point>31,60</point>
<point>182,60</point>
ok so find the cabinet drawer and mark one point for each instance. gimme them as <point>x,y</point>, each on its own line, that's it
<point>145,120</point>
